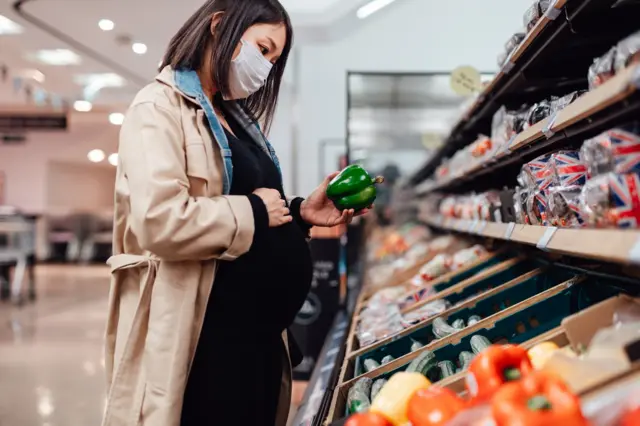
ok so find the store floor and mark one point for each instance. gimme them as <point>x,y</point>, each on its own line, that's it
<point>51,363</point>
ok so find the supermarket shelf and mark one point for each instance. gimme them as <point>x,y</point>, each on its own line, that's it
<point>609,245</point>
<point>614,98</point>
<point>539,68</point>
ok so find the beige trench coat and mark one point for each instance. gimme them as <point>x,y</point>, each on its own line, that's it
<point>172,226</point>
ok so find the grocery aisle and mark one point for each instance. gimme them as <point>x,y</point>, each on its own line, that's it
<point>51,364</point>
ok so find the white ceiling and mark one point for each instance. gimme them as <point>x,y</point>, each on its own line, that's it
<point>74,24</point>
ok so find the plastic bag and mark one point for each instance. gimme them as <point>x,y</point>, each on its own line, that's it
<point>514,42</point>
<point>427,311</point>
<point>537,113</point>
<point>564,207</point>
<point>603,69</point>
<point>438,266</point>
<point>616,150</point>
<point>535,12</point>
<point>377,323</point>
<point>612,200</point>
<point>627,52</point>
<point>520,205</point>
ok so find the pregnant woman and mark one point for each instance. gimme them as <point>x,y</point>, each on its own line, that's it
<point>210,261</point>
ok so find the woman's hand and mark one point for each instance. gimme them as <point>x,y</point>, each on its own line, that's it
<point>278,212</point>
<point>319,210</point>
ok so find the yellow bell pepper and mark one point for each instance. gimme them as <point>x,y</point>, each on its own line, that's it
<point>540,354</point>
<point>393,399</point>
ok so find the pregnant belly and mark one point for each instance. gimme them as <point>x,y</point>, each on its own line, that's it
<point>268,285</point>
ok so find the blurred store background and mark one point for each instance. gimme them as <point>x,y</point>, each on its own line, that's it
<point>374,73</point>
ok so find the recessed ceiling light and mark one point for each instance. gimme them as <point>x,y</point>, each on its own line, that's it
<point>8,27</point>
<point>139,48</point>
<point>82,106</point>
<point>106,24</point>
<point>372,7</point>
<point>59,57</point>
<point>96,155</point>
<point>116,118</point>
<point>113,159</point>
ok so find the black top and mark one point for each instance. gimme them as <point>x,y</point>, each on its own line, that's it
<point>236,373</point>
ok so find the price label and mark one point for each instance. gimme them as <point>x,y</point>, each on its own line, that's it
<point>509,231</point>
<point>546,238</point>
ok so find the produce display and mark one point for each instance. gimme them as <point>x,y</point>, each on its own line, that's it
<point>353,188</point>
<point>596,186</point>
<point>382,315</point>
<point>624,54</point>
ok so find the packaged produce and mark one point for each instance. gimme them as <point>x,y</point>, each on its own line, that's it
<point>503,127</point>
<point>434,406</point>
<point>435,268</point>
<point>464,359</point>
<point>393,399</point>
<point>427,311</point>
<point>446,369</point>
<point>353,188</point>
<point>559,104</point>
<point>358,397</point>
<point>540,354</point>
<point>520,206</point>
<point>537,399</point>
<point>613,200</point>
<point>537,173</point>
<point>565,208</point>
<point>628,52</point>
<point>536,207</point>
<point>493,367</point>
<point>513,42</point>
<point>473,319</point>
<point>603,69</point>
<point>386,360</point>
<point>415,345</point>
<point>616,150</point>
<point>378,322</point>
<point>377,386</point>
<point>538,112</point>
<point>442,329</point>
<point>535,12</point>
<point>467,256</point>
<point>367,419</point>
<point>458,324</point>
<point>423,363</point>
<point>370,365</point>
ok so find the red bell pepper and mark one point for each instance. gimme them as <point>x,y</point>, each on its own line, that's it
<point>434,406</point>
<point>631,418</point>
<point>493,367</point>
<point>367,419</point>
<point>538,399</point>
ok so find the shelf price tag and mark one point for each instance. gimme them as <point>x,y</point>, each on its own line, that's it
<point>509,231</point>
<point>547,131</point>
<point>544,241</point>
<point>481,226</point>
<point>634,253</point>
<point>553,12</point>
<point>473,226</point>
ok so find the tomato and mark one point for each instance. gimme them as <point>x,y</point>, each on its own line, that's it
<point>367,419</point>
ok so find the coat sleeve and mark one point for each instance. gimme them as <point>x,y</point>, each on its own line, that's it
<point>164,217</point>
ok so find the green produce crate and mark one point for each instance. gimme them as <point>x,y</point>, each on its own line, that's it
<point>402,346</point>
<point>524,324</point>
<point>496,302</point>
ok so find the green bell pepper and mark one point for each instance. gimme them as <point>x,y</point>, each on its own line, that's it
<point>353,188</point>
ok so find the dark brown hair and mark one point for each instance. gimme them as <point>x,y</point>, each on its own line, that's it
<point>189,46</point>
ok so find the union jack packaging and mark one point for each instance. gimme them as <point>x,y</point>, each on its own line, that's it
<point>566,170</point>
<point>536,173</point>
<point>616,150</point>
<point>613,200</point>
<point>565,210</point>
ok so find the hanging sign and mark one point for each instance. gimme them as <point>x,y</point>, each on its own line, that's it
<point>466,81</point>
<point>30,122</point>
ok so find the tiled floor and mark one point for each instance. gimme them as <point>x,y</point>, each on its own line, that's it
<point>51,365</point>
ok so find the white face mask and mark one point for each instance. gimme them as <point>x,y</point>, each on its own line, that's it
<point>248,72</point>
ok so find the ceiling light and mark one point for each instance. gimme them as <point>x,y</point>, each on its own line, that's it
<point>113,159</point>
<point>94,83</point>
<point>59,57</point>
<point>139,48</point>
<point>96,155</point>
<point>372,7</point>
<point>8,27</point>
<point>116,118</point>
<point>82,106</point>
<point>106,24</point>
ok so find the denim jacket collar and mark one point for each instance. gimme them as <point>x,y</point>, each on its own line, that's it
<point>188,82</point>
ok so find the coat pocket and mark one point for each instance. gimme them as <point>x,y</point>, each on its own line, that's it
<point>197,168</point>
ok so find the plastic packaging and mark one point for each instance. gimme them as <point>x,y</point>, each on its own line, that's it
<point>538,112</point>
<point>603,69</point>
<point>438,266</point>
<point>612,200</point>
<point>564,207</point>
<point>520,205</point>
<point>616,150</point>
<point>627,52</point>
<point>535,12</point>
<point>513,42</point>
<point>427,311</point>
